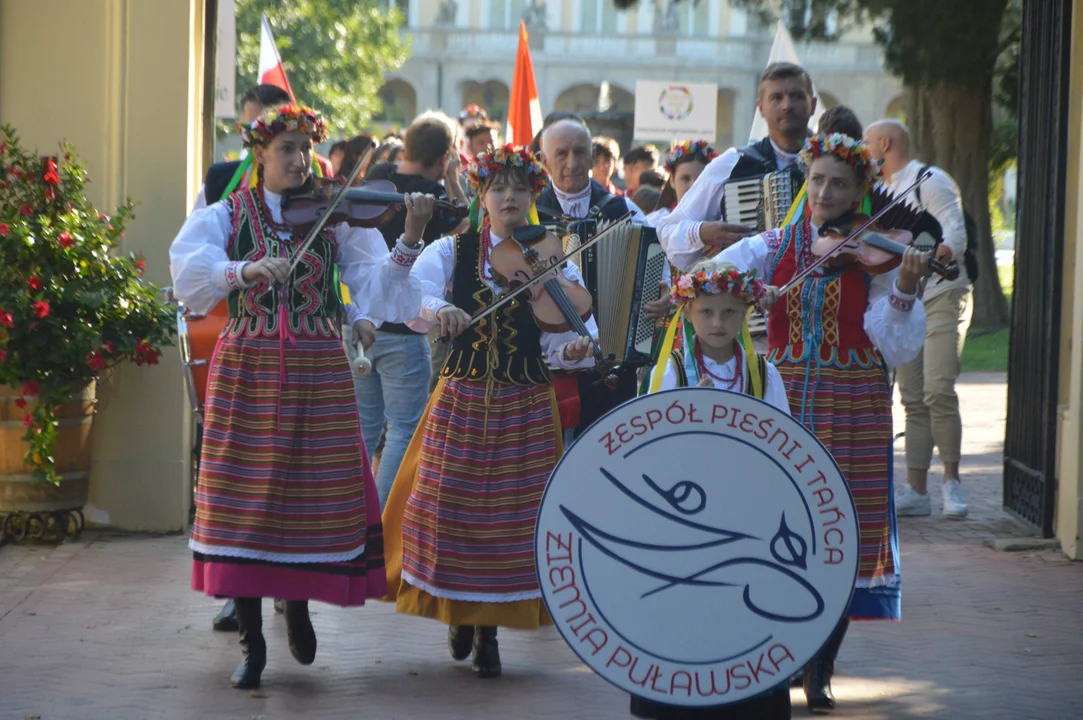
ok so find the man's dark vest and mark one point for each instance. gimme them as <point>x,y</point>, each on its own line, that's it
<point>758,158</point>
<point>218,177</point>
<point>602,203</point>
<point>505,346</point>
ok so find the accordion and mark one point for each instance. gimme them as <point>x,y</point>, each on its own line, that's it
<point>760,202</point>
<point>622,273</point>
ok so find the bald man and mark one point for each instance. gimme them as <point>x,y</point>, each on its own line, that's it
<point>927,383</point>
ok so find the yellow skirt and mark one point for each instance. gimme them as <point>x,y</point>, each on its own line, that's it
<point>527,614</point>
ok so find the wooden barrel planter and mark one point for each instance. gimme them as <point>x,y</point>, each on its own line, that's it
<point>38,511</point>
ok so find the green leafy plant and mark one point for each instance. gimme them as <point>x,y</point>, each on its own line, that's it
<point>71,306</point>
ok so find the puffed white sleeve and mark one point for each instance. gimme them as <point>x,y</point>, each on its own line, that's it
<point>753,253</point>
<point>678,232</point>
<point>434,270</point>
<point>552,344</point>
<point>202,272</point>
<point>774,393</point>
<point>380,282</point>
<point>895,322</point>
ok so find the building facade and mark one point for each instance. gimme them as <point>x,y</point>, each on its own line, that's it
<point>588,56</point>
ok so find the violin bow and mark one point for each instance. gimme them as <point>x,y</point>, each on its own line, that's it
<point>311,237</point>
<point>508,297</point>
<point>797,279</point>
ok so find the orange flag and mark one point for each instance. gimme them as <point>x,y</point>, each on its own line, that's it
<point>524,110</point>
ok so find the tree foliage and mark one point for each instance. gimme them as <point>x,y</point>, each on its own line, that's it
<point>335,53</point>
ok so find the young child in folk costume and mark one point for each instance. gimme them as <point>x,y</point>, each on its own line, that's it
<point>715,347</point>
<point>831,338</point>
<point>460,519</point>
<point>286,505</point>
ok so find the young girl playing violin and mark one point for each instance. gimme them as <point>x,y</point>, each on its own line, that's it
<point>831,338</point>
<point>286,505</point>
<point>459,522</point>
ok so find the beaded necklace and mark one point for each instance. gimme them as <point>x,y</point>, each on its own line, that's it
<point>727,384</point>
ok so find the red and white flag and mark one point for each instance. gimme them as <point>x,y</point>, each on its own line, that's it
<point>524,110</point>
<point>271,71</point>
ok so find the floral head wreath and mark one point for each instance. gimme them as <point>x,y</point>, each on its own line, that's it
<point>844,148</point>
<point>739,284</point>
<point>508,157</point>
<point>689,150</point>
<point>472,112</point>
<point>287,118</point>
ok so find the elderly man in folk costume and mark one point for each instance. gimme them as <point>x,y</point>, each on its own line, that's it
<point>831,338</point>
<point>286,505</point>
<point>461,515</point>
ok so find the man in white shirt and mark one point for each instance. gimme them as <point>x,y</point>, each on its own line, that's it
<point>927,383</point>
<point>695,227</point>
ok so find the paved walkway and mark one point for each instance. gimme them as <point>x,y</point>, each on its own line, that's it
<point>107,629</point>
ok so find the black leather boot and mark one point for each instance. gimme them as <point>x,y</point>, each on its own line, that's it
<point>817,680</point>
<point>460,641</point>
<point>226,619</point>
<point>299,631</point>
<point>250,626</point>
<point>486,653</point>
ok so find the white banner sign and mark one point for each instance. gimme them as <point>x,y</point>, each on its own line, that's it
<point>225,101</point>
<point>696,547</point>
<point>675,111</point>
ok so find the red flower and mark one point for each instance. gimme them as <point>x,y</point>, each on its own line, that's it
<point>26,210</point>
<point>96,361</point>
<point>4,230</point>
<point>109,348</point>
<point>30,387</point>
<point>5,318</point>
<point>51,176</point>
<point>34,283</point>
<point>41,309</point>
<point>28,421</point>
<point>3,355</point>
<point>140,265</point>
<point>65,240</point>
<point>21,403</point>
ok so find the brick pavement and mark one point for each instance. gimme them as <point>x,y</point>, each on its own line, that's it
<point>107,628</point>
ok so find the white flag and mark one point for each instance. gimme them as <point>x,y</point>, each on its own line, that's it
<point>783,50</point>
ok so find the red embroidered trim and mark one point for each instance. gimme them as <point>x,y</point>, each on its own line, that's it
<point>900,303</point>
<point>404,256</point>
<point>233,276</point>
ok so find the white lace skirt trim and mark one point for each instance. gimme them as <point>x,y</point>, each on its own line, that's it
<point>468,596</point>
<point>212,550</point>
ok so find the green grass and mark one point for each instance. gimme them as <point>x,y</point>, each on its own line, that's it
<point>988,351</point>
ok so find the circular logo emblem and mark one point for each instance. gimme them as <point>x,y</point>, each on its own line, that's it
<point>696,547</point>
<point>675,102</point>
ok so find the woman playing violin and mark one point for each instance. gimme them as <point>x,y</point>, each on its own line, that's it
<point>459,523</point>
<point>286,505</point>
<point>831,338</point>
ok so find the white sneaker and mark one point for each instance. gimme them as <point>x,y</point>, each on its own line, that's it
<point>954,499</point>
<point>910,503</point>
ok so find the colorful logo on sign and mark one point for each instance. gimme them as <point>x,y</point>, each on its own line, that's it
<point>697,547</point>
<point>676,103</point>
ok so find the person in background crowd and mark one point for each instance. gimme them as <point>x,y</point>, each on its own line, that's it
<point>927,383</point>
<point>354,151</point>
<point>840,119</point>
<point>647,198</point>
<point>684,164</point>
<point>637,161</point>
<point>396,390</point>
<point>335,155</point>
<point>606,153</point>
<point>390,150</point>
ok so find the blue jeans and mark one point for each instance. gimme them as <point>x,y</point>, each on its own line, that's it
<point>396,391</point>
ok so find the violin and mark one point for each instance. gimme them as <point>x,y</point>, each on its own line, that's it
<point>558,304</point>
<point>369,205</point>
<point>878,251</point>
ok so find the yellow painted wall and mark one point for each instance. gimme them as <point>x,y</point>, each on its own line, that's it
<point>122,80</point>
<point>1069,517</point>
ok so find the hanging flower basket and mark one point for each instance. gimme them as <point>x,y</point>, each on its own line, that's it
<point>71,308</point>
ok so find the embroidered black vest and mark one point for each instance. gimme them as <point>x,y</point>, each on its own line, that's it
<point>602,203</point>
<point>311,299</point>
<point>505,346</point>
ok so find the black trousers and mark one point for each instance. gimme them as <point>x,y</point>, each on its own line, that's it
<point>595,399</point>
<point>773,706</point>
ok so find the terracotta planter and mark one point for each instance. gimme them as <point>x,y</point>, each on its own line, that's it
<point>36,511</point>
